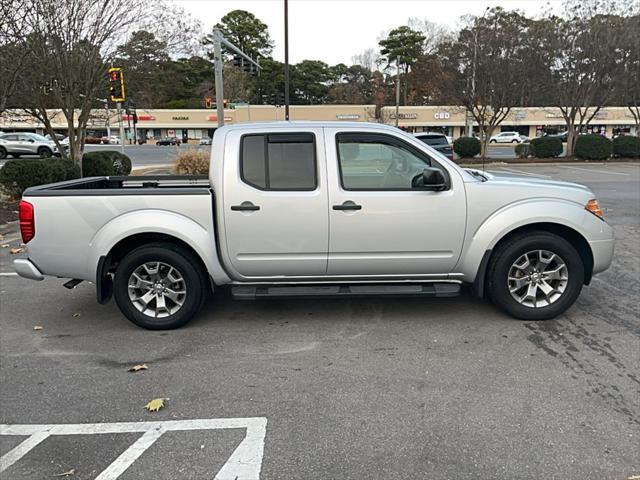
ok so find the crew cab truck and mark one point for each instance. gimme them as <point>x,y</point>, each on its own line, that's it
<point>307,209</point>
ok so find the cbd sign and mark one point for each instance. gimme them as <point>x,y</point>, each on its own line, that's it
<point>441,115</point>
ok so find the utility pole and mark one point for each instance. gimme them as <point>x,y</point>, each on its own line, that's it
<point>473,75</point>
<point>121,125</point>
<point>217,59</point>
<point>286,60</point>
<point>218,41</point>
<point>397,91</point>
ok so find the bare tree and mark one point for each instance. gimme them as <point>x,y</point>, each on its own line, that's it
<point>67,48</point>
<point>488,68</point>
<point>434,33</point>
<point>12,23</point>
<point>580,59</point>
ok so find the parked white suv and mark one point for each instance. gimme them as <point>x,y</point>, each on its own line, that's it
<point>18,144</point>
<point>509,137</point>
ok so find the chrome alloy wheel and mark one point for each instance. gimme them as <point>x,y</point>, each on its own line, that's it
<point>538,278</point>
<point>157,289</point>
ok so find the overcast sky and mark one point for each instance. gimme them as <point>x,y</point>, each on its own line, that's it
<point>335,30</point>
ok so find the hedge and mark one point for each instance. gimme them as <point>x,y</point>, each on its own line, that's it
<point>18,175</point>
<point>626,146</point>
<point>546,147</point>
<point>593,147</point>
<point>192,162</point>
<point>523,150</point>
<point>466,147</point>
<point>105,163</point>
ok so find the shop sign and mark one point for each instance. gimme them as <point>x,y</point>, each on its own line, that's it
<point>518,116</point>
<point>141,118</point>
<point>214,118</point>
<point>180,117</point>
<point>442,115</point>
<point>405,116</point>
<point>347,116</point>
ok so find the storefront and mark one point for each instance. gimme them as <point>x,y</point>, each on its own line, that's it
<point>192,125</point>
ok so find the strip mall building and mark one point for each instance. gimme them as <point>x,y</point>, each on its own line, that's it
<point>192,125</point>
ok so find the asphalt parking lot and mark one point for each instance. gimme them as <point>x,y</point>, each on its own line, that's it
<point>332,389</point>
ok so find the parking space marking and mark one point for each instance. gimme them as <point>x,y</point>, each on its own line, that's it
<point>8,274</point>
<point>594,171</point>
<point>522,172</point>
<point>244,463</point>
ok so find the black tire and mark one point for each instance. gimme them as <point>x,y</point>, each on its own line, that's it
<point>44,152</point>
<point>3,153</point>
<point>515,141</point>
<point>195,284</point>
<point>508,252</point>
<point>493,141</point>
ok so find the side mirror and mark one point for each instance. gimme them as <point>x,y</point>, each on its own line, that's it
<point>430,179</point>
<point>31,140</point>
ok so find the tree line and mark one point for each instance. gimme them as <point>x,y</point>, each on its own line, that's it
<point>579,60</point>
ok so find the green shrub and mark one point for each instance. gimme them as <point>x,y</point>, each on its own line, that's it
<point>523,150</point>
<point>105,163</point>
<point>626,146</point>
<point>18,175</point>
<point>466,147</point>
<point>546,147</point>
<point>593,147</point>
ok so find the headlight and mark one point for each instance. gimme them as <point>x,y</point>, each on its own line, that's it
<point>593,207</point>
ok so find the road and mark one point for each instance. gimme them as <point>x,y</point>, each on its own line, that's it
<point>349,389</point>
<point>150,155</point>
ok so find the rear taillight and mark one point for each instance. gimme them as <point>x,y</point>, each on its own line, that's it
<point>27,221</point>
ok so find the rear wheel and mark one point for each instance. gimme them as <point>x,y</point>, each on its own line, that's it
<point>515,141</point>
<point>3,153</point>
<point>159,286</point>
<point>535,276</point>
<point>44,152</point>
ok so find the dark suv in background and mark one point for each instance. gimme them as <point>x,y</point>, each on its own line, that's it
<point>437,141</point>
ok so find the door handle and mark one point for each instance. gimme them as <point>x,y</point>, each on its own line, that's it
<point>245,207</point>
<point>348,205</point>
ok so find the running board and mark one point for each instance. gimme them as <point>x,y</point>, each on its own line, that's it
<point>251,292</point>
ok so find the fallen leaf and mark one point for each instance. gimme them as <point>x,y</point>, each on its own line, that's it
<point>155,404</point>
<point>634,477</point>
<point>76,314</point>
<point>38,327</point>
<point>15,251</point>
<point>137,368</point>
<point>68,473</point>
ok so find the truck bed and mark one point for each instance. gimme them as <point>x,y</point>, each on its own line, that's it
<point>142,185</point>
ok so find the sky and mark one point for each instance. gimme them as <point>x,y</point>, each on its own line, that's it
<point>335,30</point>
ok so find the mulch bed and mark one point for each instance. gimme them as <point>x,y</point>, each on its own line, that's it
<point>8,211</point>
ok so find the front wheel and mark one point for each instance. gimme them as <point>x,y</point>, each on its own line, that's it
<point>515,141</point>
<point>159,286</point>
<point>493,141</point>
<point>535,276</point>
<point>44,152</point>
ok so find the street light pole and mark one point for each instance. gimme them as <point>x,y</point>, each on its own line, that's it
<point>217,59</point>
<point>286,59</point>
<point>473,75</point>
<point>397,91</point>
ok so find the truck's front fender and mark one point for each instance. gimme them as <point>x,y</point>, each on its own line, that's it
<point>201,238</point>
<point>483,236</point>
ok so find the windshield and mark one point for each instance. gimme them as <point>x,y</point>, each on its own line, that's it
<point>38,138</point>
<point>434,140</point>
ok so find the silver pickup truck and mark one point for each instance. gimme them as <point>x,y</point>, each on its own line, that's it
<point>306,209</point>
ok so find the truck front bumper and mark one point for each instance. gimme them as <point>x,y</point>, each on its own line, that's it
<point>26,269</point>
<point>602,254</point>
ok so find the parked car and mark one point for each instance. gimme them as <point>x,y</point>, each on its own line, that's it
<point>562,136</point>
<point>21,144</point>
<point>310,209</point>
<point>438,142</point>
<point>62,139</point>
<point>508,137</point>
<point>112,140</point>
<point>168,141</point>
<point>205,141</point>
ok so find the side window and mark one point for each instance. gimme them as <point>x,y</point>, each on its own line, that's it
<point>280,161</point>
<point>378,162</point>
<point>10,138</point>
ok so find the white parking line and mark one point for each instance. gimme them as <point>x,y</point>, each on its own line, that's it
<point>244,463</point>
<point>8,274</point>
<point>522,172</point>
<point>594,171</point>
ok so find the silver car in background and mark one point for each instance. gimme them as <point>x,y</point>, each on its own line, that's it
<point>19,144</point>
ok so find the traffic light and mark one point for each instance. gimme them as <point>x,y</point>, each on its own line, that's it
<point>116,84</point>
<point>279,99</point>
<point>208,102</point>
<point>237,61</point>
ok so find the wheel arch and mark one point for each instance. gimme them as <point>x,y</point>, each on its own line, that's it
<point>571,235</point>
